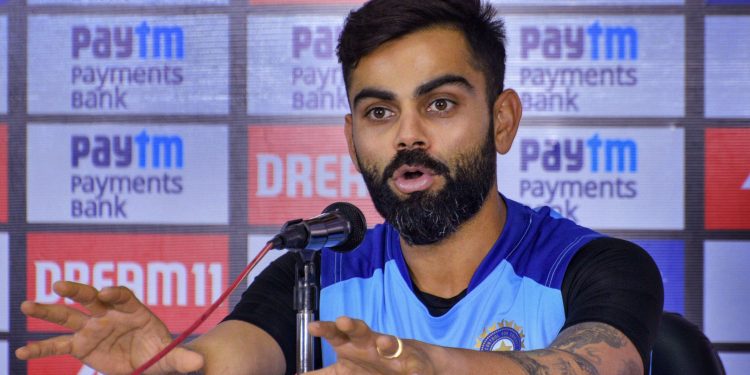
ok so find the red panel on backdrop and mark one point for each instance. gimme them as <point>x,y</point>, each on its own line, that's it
<point>296,171</point>
<point>3,173</point>
<point>59,365</point>
<point>727,178</point>
<point>177,276</point>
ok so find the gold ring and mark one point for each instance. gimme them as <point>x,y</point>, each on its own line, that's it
<point>397,353</point>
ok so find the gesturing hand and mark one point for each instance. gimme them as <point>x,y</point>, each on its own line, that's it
<point>117,335</point>
<point>363,351</point>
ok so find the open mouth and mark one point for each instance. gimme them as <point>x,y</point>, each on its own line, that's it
<point>410,178</point>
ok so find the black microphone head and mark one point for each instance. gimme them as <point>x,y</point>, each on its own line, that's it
<point>358,225</point>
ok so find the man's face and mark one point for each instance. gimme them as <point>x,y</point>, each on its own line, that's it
<point>421,133</point>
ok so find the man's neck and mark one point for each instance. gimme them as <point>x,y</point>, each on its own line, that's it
<point>445,268</point>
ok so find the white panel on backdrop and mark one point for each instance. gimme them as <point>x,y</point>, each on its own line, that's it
<point>104,173</point>
<point>726,307</point>
<point>4,284</point>
<point>727,70</point>
<point>129,2</point>
<point>605,178</point>
<point>4,351</point>
<point>4,45</point>
<point>597,66</point>
<point>588,2</point>
<point>735,363</point>
<point>128,65</point>
<point>292,68</point>
<point>255,243</point>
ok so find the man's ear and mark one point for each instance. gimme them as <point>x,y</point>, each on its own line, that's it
<point>348,131</point>
<point>506,112</point>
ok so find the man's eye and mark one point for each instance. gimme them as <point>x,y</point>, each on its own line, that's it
<point>441,105</point>
<point>379,113</point>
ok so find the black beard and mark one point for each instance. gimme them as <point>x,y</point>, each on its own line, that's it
<point>423,217</point>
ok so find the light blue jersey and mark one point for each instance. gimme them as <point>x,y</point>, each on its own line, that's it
<point>513,301</point>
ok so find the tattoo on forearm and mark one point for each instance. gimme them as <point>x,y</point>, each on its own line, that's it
<point>588,333</point>
<point>565,363</point>
<point>585,365</point>
<point>593,355</point>
<point>530,365</point>
<point>563,367</point>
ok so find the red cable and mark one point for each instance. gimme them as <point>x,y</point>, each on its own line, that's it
<point>205,315</point>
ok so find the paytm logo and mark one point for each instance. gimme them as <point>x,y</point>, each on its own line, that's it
<point>595,42</point>
<point>121,151</point>
<point>122,42</point>
<point>320,41</point>
<point>570,154</point>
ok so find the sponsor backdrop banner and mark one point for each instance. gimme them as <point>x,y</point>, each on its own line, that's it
<point>735,363</point>
<point>597,66</point>
<point>4,284</point>
<point>4,354</point>
<point>127,174</point>
<point>157,144</point>
<point>3,62</point>
<point>60,365</point>
<point>128,65</point>
<point>161,3</point>
<point>292,66</point>
<point>176,275</point>
<point>727,182</point>
<point>726,317</point>
<point>727,82</point>
<point>255,244</point>
<point>599,177</point>
<point>311,171</point>
<point>3,173</point>
<point>588,2</point>
<point>669,256</point>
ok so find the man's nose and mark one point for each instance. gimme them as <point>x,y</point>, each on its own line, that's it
<point>411,132</point>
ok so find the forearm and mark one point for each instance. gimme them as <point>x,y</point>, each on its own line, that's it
<point>545,361</point>
<point>587,348</point>
<point>235,347</point>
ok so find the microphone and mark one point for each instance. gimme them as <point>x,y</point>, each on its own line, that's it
<point>341,227</point>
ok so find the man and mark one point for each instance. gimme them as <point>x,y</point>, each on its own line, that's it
<point>456,267</point>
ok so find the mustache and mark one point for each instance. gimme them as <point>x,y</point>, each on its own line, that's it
<point>414,157</point>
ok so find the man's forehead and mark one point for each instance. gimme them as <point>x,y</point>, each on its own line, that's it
<point>406,63</point>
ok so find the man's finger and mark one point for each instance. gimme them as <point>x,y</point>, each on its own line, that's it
<point>84,294</point>
<point>388,346</point>
<point>184,360</point>
<point>55,346</point>
<point>120,298</point>
<point>357,330</point>
<point>328,331</point>
<point>65,316</point>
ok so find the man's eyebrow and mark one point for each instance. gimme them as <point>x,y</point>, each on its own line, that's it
<point>372,93</point>
<point>448,79</point>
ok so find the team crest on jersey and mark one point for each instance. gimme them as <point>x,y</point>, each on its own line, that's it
<point>501,337</point>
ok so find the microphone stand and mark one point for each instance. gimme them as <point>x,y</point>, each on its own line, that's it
<point>306,305</point>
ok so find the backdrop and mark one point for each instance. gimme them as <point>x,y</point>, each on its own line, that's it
<point>158,144</point>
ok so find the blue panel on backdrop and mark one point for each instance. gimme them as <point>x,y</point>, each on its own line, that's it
<point>727,1</point>
<point>670,258</point>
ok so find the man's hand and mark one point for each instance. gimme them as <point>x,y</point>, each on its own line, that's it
<point>362,351</point>
<point>117,335</point>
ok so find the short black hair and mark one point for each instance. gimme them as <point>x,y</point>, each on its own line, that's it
<point>380,21</point>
